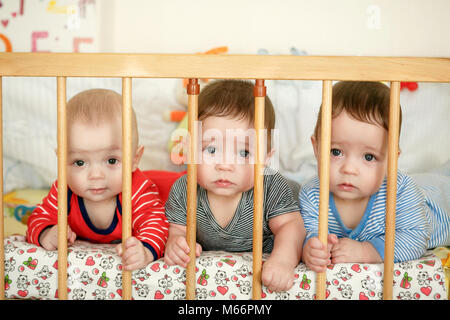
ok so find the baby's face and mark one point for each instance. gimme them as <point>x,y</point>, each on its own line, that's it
<point>94,155</point>
<point>358,161</point>
<point>227,156</point>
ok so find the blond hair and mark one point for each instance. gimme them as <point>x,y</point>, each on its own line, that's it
<point>97,105</point>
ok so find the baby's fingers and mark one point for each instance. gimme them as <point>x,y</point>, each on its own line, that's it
<point>319,254</point>
<point>285,283</point>
<point>319,264</point>
<point>182,244</point>
<point>277,282</point>
<point>131,242</point>
<point>119,249</point>
<point>318,260</point>
<point>132,262</point>
<point>332,238</point>
<point>317,268</point>
<point>176,256</point>
<point>181,259</point>
<point>71,236</point>
<point>198,249</point>
<point>315,243</point>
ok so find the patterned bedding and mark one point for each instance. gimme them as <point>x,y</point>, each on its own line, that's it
<point>94,272</point>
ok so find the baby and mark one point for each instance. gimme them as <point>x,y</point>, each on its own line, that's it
<point>225,176</point>
<point>94,179</point>
<point>357,203</point>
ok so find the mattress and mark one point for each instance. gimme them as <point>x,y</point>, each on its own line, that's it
<point>94,272</point>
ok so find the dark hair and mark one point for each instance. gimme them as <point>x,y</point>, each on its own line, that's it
<point>233,99</point>
<point>363,100</point>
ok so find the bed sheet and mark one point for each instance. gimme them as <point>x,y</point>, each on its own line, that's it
<point>94,272</point>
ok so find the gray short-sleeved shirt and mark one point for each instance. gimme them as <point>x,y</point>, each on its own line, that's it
<point>237,236</point>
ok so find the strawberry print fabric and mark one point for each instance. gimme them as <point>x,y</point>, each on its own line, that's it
<point>94,272</point>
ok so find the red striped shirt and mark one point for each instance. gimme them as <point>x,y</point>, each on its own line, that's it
<point>149,222</point>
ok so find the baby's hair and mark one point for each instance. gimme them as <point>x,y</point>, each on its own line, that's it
<point>234,99</point>
<point>365,101</point>
<point>96,105</point>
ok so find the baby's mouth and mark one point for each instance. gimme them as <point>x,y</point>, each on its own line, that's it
<point>346,186</point>
<point>97,190</point>
<point>223,183</point>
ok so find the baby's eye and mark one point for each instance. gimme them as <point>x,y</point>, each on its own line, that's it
<point>112,161</point>
<point>78,163</point>
<point>244,153</point>
<point>211,149</point>
<point>369,157</point>
<point>336,152</point>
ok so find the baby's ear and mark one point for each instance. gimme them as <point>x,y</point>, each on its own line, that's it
<point>137,157</point>
<point>315,146</point>
<point>269,157</point>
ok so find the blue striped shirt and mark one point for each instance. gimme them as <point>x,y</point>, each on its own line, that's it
<point>420,222</point>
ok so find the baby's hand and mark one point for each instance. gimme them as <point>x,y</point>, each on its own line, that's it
<point>177,251</point>
<point>136,256</point>
<point>348,250</point>
<point>277,276</point>
<point>316,256</point>
<point>49,238</point>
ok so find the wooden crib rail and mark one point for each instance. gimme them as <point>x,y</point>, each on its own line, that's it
<point>62,186</point>
<point>225,66</point>
<point>255,67</point>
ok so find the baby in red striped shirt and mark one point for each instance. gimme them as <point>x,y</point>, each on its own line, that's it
<point>94,180</point>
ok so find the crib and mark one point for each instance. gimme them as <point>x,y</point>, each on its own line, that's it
<point>194,67</point>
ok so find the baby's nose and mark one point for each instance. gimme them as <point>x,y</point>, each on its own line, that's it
<point>224,167</point>
<point>349,167</point>
<point>96,172</point>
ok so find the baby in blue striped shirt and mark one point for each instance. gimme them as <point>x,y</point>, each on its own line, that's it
<point>357,202</point>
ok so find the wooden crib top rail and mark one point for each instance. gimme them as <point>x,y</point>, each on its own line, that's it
<point>280,67</point>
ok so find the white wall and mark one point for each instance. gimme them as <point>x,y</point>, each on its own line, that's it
<point>55,26</point>
<point>319,27</point>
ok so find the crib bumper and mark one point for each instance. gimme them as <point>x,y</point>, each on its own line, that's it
<point>94,272</point>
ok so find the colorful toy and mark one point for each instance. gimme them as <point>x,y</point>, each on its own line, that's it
<point>181,95</point>
<point>22,212</point>
<point>15,205</point>
<point>411,86</point>
<point>21,203</point>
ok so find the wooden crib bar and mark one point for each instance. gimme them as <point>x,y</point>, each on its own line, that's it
<point>126,178</point>
<point>258,190</point>
<point>62,186</point>
<point>324,174</point>
<point>393,136</point>
<point>127,66</point>
<point>193,89</point>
